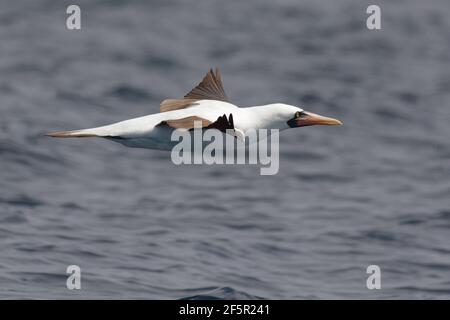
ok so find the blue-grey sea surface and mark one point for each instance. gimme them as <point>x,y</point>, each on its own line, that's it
<point>375,191</point>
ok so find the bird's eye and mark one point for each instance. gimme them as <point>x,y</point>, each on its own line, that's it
<point>300,114</point>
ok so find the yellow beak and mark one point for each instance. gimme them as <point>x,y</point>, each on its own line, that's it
<point>310,119</point>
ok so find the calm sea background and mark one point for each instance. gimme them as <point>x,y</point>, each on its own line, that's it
<point>374,191</point>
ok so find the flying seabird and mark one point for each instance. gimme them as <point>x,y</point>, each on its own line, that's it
<point>206,104</point>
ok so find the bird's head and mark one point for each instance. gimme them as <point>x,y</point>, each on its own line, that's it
<point>293,117</point>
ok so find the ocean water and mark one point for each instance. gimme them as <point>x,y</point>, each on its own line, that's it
<point>375,191</point>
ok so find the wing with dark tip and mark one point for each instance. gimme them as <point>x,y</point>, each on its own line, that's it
<point>187,123</point>
<point>210,88</point>
<point>222,123</point>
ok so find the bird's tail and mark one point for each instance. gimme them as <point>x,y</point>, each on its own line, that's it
<point>112,130</point>
<point>72,134</point>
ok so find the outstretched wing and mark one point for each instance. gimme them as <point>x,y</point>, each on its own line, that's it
<point>222,123</point>
<point>210,88</point>
<point>187,123</point>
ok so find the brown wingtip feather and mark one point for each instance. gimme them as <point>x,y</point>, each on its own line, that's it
<point>70,134</point>
<point>210,88</point>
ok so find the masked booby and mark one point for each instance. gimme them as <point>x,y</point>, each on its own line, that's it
<point>206,104</point>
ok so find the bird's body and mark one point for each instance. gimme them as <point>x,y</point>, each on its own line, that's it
<point>206,104</point>
<point>144,132</point>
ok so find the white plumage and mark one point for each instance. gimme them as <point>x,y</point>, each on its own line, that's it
<point>205,102</point>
